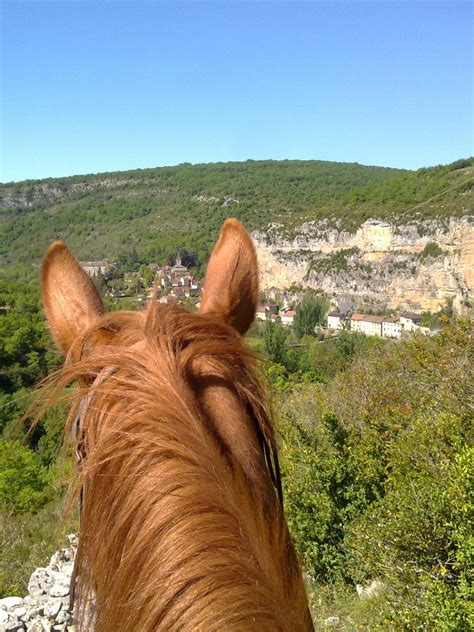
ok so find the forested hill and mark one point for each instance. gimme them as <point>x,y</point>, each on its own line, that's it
<point>156,211</point>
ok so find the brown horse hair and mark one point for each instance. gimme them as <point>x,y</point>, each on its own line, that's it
<point>181,525</point>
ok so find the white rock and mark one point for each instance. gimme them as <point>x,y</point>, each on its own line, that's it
<point>61,617</point>
<point>19,612</point>
<point>13,625</point>
<point>37,585</point>
<point>4,616</point>
<point>332,622</point>
<point>372,590</point>
<point>35,626</point>
<point>73,539</point>
<point>67,568</point>
<point>52,607</point>
<point>59,590</point>
<point>8,603</point>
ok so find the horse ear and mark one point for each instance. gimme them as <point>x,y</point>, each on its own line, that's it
<point>70,298</point>
<point>231,283</point>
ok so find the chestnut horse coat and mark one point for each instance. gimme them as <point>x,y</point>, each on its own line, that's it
<point>182,526</point>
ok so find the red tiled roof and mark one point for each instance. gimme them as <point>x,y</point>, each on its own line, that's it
<point>368,318</point>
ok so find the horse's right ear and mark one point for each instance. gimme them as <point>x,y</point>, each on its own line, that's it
<point>231,283</point>
<point>70,298</point>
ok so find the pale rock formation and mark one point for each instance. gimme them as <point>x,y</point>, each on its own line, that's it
<point>379,266</point>
<point>46,608</point>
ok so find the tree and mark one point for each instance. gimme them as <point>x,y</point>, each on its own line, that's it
<point>309,313</point>
<point>274,338</point>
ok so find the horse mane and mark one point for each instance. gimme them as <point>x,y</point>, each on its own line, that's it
<point>181,525</point>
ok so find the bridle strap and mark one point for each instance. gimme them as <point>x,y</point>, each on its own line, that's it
<point>78,436</point>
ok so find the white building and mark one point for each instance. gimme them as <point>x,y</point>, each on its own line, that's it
<point>94,268</point>
<point>391,328</point>
<point>265,312</point>
<point>288,317</point>
<point>409,321</point>
<point>367,324</point>
<point>335,321</point>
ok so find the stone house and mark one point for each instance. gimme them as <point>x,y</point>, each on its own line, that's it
<point>265,312</point>
<point>288,317</point>
<point>367,324</point>
<point>94,268</point>
<point>391,328</point>
<point>335,321</point>
<point>410,321</point>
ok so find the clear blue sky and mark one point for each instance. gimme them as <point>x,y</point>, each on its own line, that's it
<point>103,85</point>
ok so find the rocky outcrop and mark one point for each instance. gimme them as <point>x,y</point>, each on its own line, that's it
<point>46,608</point>
<point>42,194</point>
<point>419,266</point>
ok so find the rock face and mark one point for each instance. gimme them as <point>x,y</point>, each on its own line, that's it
<point>418,267</point>
<point>46,608</point>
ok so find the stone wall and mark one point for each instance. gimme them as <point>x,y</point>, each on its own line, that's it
<point>46,608</point>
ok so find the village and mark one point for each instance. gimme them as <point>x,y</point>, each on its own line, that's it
<point>175,285</point>
<point>171,284</point>
<point>368,324</point>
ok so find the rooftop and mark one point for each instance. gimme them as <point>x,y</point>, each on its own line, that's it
<point>368,318</point>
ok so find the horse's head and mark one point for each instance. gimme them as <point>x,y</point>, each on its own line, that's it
<point>177,439</point>
<point>209,353</point>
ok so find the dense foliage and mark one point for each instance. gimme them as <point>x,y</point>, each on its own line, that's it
<point>378,472</point>
<point>32,476</point>
<point>310,313</point>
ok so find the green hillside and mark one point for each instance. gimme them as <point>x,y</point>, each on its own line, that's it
<point>155,211</point>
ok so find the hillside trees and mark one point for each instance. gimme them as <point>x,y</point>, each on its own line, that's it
<point>23,479</point>
<point>154,210</point>
<point>378,472</point>
<point>26,352</point>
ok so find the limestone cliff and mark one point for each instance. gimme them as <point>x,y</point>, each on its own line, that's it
<point>418,266</point>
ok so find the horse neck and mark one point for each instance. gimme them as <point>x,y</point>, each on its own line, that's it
<point>181,525</point>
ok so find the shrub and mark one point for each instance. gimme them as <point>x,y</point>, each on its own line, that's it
<point>23,480</point>
<point>431,250</point>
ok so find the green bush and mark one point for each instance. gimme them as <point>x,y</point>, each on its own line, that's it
<point>23,479</point>
<point>432,249</point>
<point>309,313</point>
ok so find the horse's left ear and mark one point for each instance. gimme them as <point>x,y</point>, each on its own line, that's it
<point>70,298</point>
<point>231,283</point>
